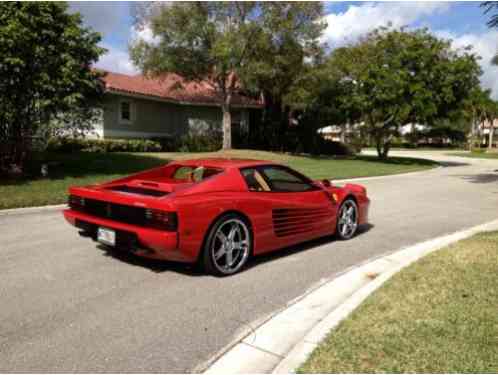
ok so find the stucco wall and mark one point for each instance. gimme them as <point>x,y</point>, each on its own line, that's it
<point>159,119</point>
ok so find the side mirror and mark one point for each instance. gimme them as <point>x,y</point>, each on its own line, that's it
<point>326,183</point>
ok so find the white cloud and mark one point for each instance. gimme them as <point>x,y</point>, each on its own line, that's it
<point>116,60</point>
<point>145,34</point>
<point>110,19</point>
<point>360,19</point>
<point>485,45</point>
<point>342,28</point>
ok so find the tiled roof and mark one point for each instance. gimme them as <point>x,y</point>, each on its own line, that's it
<point>171,87</point>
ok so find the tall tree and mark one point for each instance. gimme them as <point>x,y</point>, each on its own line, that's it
<point>398,77</point>
<point>475,110</point>
<point>491,9</point>
<point>322,98</point>
<point>45,70</point>
<point>482,110</point>
<point>289,53</point>
<point>228,44</point>
<point>491,118</point>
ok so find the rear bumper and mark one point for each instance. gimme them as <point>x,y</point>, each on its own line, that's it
<point>150,243</point>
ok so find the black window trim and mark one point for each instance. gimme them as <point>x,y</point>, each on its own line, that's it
<point>260,168</point>
<point>131,110</point>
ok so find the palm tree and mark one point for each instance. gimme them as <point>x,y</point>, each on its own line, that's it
<point>491,114</point>
<point>491,7</point>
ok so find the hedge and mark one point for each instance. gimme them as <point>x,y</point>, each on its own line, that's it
<point>66,144</point>
<point>186,143</point>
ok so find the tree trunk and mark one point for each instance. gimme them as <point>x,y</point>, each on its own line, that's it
<point>491,131</point>
<point>472,133</point>
<point>284,117</point>
<point>227,127</point>
<point>342,136</point>
<point>385,151</point>
<point>382,149</point>
<point>382,145</point>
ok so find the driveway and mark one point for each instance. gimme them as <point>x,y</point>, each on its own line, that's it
<point>66,305</point>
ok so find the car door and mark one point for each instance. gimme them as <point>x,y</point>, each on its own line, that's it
<point>297,211</point>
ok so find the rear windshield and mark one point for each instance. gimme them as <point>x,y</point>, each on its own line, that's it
<point>194,173</point>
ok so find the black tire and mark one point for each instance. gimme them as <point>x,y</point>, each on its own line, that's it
<point>347,223</point>
<point>211,263</point>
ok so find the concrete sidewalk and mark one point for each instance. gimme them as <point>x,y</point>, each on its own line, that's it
<point>281,344</point>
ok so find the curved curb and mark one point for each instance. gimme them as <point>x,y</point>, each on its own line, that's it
<point>436,167</point>
<point>24,210</point>
<point>282,343</point>
<point>30,210</point>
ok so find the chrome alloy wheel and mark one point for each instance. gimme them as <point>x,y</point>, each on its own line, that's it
<point>348,219</point>
<point>230,246</point>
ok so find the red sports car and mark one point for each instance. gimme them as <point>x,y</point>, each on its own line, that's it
<point>215,211</point>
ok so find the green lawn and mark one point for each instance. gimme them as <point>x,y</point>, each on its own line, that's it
<point>88,168</point>
<point>478,155</point>
<point>440,315</point>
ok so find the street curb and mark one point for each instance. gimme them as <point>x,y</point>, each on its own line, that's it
<point>387,175</point>
<point>29,210</point>
<point>283,342</point>
<point>24,210</point>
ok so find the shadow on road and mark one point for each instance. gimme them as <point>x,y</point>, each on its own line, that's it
<point>154,265</point>
<point>452,164</point>
<point>305,246</point>
<point>160,266</point>
<point>482,178</point>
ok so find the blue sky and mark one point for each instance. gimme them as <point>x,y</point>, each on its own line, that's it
<point>463,22</point>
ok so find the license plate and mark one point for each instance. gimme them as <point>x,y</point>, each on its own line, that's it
<point>106,236</point>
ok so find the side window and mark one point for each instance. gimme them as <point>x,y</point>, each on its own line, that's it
<point>254,180</point>
<point>125,112</point>
<point>194,174</point>
<point>286,180</point>
<point>182,173</point>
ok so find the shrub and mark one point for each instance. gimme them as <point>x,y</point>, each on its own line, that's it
<point>199,143</point>
<point>479,150</point>
<point>167,144</point>
<point>66,144</point>
<point>355,143</point>
<point>187,143</point>
<point>328,147</point>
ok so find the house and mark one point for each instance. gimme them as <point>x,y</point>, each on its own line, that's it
<point>332,133</point>
<point>340,133</point>
<point>487,134</point>
<point>135,106</point>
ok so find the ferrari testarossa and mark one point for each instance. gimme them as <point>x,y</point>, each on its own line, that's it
<point>218,212</point>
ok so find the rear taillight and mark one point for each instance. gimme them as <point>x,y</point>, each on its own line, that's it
<point>75,202</point>
<point>161,219</point>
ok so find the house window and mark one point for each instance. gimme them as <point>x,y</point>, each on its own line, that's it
<point>125,112</point>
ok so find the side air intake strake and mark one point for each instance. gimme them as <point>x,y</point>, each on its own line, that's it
<point>289,221</point>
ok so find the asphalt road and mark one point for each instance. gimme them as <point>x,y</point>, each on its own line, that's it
<point>67,305</point>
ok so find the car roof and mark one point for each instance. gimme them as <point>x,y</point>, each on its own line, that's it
<point>224,163</point>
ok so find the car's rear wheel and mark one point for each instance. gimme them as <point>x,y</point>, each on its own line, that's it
<point>228,245</point>
<point>347,220</point>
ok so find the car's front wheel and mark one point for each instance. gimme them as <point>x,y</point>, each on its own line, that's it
<point>347,220</point>
<point>228,245</point>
